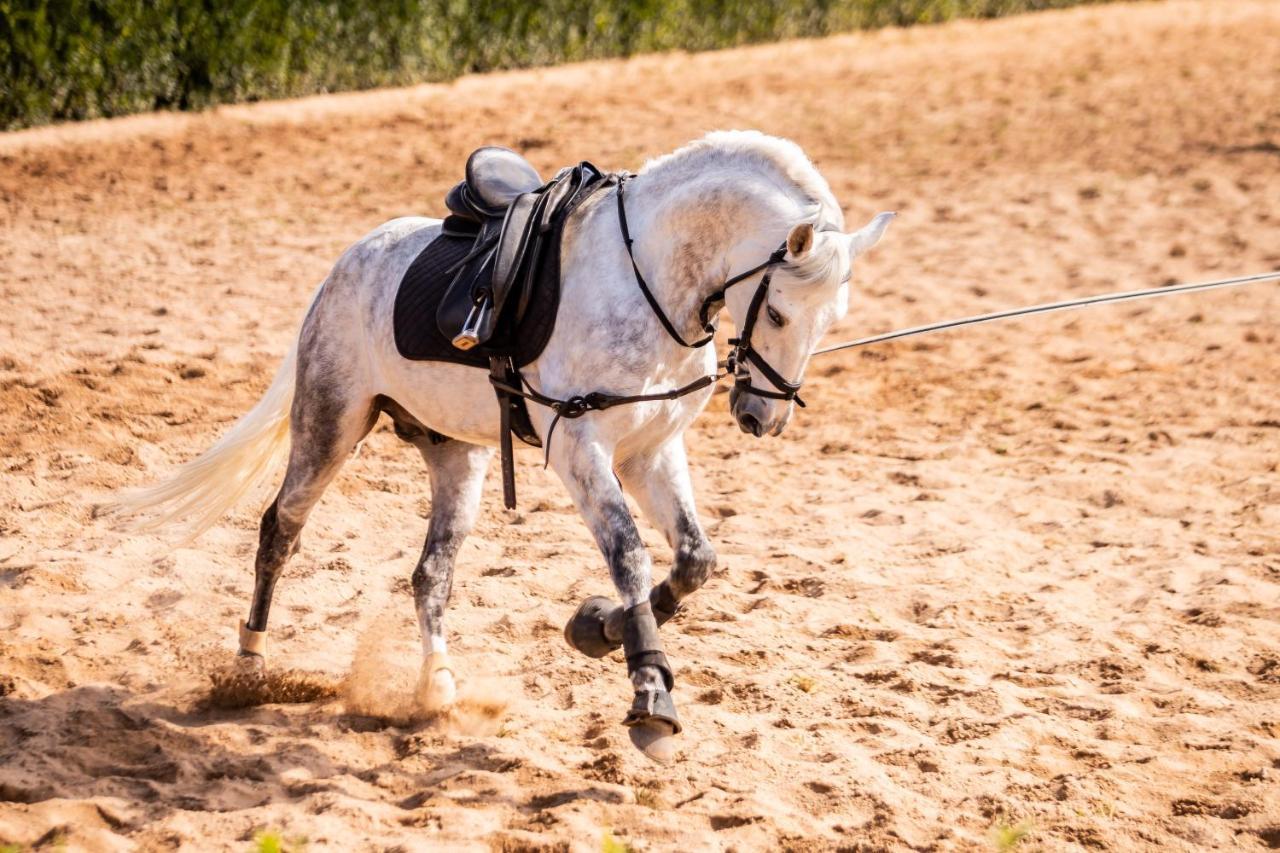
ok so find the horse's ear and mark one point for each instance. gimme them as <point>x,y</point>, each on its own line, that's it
<point>800,240</point>
<point>868,235</point>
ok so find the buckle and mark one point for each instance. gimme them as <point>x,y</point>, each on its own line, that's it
<point>574,407</point>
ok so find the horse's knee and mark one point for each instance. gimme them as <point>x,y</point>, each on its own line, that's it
<point>427,579</point>
<point>693,565</point>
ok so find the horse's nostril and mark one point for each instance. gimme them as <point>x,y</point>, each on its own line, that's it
<point>750,423</point>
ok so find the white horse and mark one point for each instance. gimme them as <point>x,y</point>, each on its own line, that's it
<point>699,217</point>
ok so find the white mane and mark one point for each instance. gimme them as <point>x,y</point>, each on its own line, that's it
<point>781,158</point>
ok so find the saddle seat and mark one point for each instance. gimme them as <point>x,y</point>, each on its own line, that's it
<point>516,221</point>
<point>494,177</point>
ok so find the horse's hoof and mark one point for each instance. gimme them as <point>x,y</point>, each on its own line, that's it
<point>248,664</point>
<point>655,739</point>
<point>653,704</point>
<point>653,724</point>
<point>242,683</point>
<point>585,631</point>
<point>436,686</point>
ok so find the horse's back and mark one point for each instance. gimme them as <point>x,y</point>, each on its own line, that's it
<point>377,261</point>
<point>366,276</point>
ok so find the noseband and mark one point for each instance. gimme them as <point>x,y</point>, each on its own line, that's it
<point>743,353</point>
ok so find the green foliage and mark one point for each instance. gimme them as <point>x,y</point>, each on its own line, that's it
<point>1006,837</point>
<point>271,841</point>
<point>609,843</point>
<point>77,59</point>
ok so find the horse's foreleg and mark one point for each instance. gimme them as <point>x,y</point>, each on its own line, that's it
<point>457,475</point>
<point>585,467</point>
<point>659,481</point>
<point>661,485</point>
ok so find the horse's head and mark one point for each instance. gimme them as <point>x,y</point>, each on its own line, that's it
<point>782,315</point>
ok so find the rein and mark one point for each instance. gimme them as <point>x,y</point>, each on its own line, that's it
<point>1049,307</point>
<point>742,353</point>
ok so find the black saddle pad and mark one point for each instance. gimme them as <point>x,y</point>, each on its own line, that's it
<point>418,335</point>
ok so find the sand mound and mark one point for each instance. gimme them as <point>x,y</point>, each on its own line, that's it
<point>238,688</point>
<point>382,683</point>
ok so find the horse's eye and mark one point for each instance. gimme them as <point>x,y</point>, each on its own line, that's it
<point>774,317</point>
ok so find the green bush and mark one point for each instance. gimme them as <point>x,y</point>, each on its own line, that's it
<point>77,59</point>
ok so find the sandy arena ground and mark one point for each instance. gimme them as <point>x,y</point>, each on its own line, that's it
<point>1023,577</point>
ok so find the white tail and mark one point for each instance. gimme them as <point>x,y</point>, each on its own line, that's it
<point>204,489</point>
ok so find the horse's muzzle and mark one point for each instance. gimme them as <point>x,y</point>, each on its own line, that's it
<point>749,423</point>
<point>756,415</point>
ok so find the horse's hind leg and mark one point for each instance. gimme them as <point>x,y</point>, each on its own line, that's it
<point>327,421</point>
<point>659,481</point>
<point>457,475</point>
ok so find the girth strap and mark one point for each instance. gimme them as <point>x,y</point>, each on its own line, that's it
<point>497,371</point>
<point>513,417</point>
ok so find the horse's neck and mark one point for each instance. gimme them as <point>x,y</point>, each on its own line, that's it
<point>689,238</point>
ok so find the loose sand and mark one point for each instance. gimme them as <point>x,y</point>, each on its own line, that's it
<point>1020,576</point>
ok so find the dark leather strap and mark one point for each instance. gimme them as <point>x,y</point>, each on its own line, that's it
<point>576,407</point>
<point>742,350</point>
<point>716,299</point>
<point>786,390</point>
<point>641,645</point>
<point>644,286</point>
<point>498,371</point>
<point>510,386</point>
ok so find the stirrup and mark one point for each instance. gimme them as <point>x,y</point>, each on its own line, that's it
<point>252,642</point>
<point>470,334</point>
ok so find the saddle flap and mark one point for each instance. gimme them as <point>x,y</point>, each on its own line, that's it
<point>564,185</point>
<point>487,293</point>
<point>461,298</point>
<point>515,243</point>
<point>498,175</point>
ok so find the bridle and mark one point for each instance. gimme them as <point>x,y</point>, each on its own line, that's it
<point>742,353</point>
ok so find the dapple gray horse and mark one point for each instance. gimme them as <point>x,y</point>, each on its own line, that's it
<point>698,217</point>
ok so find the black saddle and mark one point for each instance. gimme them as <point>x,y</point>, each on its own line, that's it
<point>486,291</point>
<point>516,221</point>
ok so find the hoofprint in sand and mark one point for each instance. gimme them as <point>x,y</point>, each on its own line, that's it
<point>1019,576</point>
